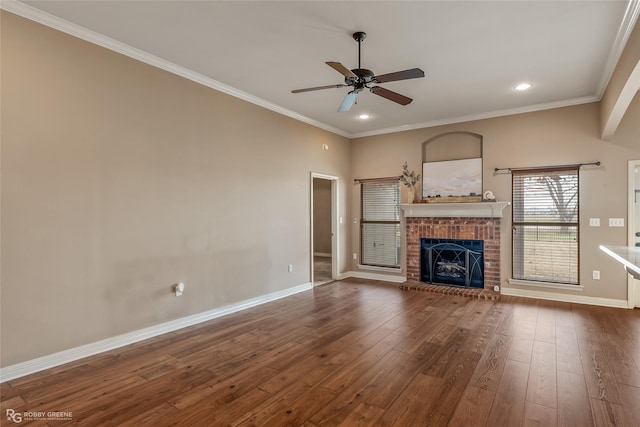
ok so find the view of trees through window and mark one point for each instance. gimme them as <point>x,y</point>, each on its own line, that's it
<point>546,225</point>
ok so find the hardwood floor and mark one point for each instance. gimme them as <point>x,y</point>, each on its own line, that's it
<point>361,353</point>
<point>321,269</point>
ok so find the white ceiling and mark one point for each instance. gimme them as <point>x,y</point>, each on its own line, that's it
<point>473,52</point>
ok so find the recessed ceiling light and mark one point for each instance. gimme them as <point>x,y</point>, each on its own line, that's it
<point>523,86</point>
<point>363,116</point>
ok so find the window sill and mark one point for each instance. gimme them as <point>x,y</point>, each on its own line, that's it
<point>376,268</point>
<point>552,285</point>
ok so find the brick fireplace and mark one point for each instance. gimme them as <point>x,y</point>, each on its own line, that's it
<point>473,221</point>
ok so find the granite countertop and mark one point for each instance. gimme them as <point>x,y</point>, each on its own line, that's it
<point>629,256</point>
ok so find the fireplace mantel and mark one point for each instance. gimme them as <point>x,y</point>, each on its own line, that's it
<point>459,210</point>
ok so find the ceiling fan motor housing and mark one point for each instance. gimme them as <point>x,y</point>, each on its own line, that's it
<point>364,76</point>
<point>359,36</point>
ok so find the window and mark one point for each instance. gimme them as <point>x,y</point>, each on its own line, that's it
<point>545,225</point>
<point>380,224</point>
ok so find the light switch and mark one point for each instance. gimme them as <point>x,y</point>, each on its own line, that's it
<point>594,222</point>
<point>616,222</point>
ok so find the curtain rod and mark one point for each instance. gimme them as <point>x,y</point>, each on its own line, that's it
<point>576,165</point>
<point>386,179</point>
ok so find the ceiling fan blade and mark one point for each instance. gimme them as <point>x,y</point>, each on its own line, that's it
<point>348,101</point>
<point>413,73</point>
<point>309,89</point>
<point>391,95</point>
<point>341,69</point>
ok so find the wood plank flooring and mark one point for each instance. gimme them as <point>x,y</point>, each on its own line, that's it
<point>360,353</point>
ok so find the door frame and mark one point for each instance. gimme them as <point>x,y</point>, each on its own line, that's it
<point>633,285</point>
<point>335,238</point>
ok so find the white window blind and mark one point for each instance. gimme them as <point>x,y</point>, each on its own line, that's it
<point>380,224</point>
<point>546,225</point>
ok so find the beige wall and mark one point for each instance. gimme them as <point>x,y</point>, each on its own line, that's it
<point>551,137</point>
<point>119,180</point>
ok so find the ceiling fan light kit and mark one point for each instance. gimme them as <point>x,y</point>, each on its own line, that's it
<point>362,78</point>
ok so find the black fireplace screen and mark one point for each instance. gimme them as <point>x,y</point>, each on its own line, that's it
<point>452,262</point>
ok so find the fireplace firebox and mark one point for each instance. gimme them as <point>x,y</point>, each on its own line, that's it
<point>453,262</point>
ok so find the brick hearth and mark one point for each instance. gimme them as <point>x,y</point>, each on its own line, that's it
<point>487,229</point>
<point>450,290</point>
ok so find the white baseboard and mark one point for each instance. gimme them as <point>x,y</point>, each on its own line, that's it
<point>45,362</point>
<point>578,299</point>
<point>372,276</point>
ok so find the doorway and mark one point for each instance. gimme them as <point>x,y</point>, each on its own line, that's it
<point>324,246</point>
<point>633,222</point>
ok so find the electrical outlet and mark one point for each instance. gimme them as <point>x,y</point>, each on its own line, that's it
<point>594,222</point>
<point>355,255</point>
<point>179,289</point>
<point>596,275</point>
<point>290,268</point>
<point>616,222</point>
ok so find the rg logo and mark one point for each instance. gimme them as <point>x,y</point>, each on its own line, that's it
<point>14,416</point>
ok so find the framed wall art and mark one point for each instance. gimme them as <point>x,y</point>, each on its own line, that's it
<point>452,178</point>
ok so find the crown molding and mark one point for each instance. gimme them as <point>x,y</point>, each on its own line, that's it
<point>481,116</point>
<point>629,20</point>
<point>624,32</point>
<point>80,32</point>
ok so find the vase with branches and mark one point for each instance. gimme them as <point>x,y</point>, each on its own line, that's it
<point>409,179</point>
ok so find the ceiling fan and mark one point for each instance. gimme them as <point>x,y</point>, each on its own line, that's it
<point>361,78</point>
